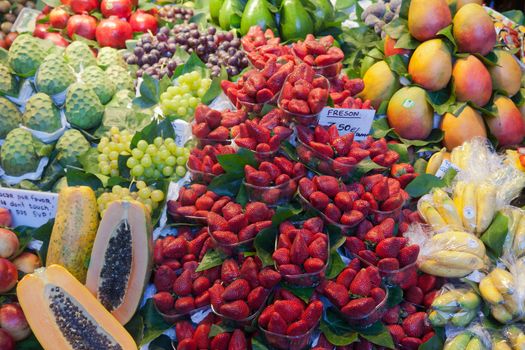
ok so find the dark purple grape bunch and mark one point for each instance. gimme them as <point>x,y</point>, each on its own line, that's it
<point>228,54</point>
<point>175,14</point>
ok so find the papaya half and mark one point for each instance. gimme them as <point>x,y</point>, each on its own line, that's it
<point>121,259</point>
<point>63,314</point>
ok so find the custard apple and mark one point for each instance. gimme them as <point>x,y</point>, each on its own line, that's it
<point>11,117</point>
<point>60,184</point>
<point>83,108</point>
<point>79,56</point>
<point>19,154</point>
<point>41,114</point>
<point>54,75</point>
<point>96,78</point>
<point>8,82</point>
<point>70,146</point>
<point>26,54</point>
<point>121,77</point>
<point>121,99</point>
<point>108,56</point>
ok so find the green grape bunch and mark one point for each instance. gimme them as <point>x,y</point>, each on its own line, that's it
<point>160,159</point>
<point>110,148</point>
<point>147,195</point>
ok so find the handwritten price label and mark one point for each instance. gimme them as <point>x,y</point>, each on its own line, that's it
<point>358,121</point>
<point>29,208</point>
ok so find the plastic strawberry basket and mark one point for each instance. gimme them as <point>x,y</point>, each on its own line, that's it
<point>233,248</point>
<point>391,277</point>
<point>372,317</point>
<point>261,156</point>
<point>292,342</point>
<point>272,195</point>
<point>379,215</point>
<point>174,317</point>
<point>198,176</point>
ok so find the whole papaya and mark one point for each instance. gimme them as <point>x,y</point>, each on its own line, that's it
<point>230,14</point>
<point>257,13</point>
<point>215,10</point>
<point>295,21</point>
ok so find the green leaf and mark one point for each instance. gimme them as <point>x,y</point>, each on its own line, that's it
<point>403,12</point>
<point>519,98</point>
<point>441,100</point>
<point>400,149</point>
<point>215,87</point>
<point>193,63</point>
<point>211,259</point>
<point>381,338</point>
<point>337,338</point>
<point>43,234</point>
<point>155,129</point>
<point>436,136</point>
<point>226,185</point>
<point>216,329</point>
<point>447,33</point>
<point>265,244</point>
<point>283,213</point>
<point>344,4</point>
<point>200,19</point>
<point>515,16</point>
<point>406,41</point>
<point>380,128</point>
<point>234,163</point>
<point>364,167</point>
<point>149,89</point>
<point>181,54</point>
<point>135,328</point>
<point>437,341</point>
<point>495,235</point>
<point>258,345</point>
<point>395,296</point>
<point>24,234</point>
<point>422,185</point>
<point>242,195</point>
<point>489,60</point>
<point>397,65</point>
<point>396,28</point>
<point>302,293</point>
<point>52,3</point>
<point>76,177</point>
<point>335,265</point>
<point>449,176</point>
<point>420,166</point>
<point>153,322</point>
<point>161,343</point>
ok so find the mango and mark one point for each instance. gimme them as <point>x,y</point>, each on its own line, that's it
<point>467,125</point>
<point>380,84</point>
<point>460,3</point>
<point>506,76</point>
<point>472,81</point>
<point>508,126</point>
<point>427,17</point>
<point>431,65</point>
<point>474,30</point>
<point>410,114</point>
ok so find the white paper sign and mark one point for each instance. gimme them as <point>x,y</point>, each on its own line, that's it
<point>29,208</point>
<point>182,131</point>
<point>443,168</point>
<point>358,121</point>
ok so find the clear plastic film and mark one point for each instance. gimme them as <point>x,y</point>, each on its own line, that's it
<point>515,240</point>
<point>456,305</point>
<point>439,210</point>
<point>514,338</point>
<point>503,289</point>
<point>447,252</point>
<point>475,337</point>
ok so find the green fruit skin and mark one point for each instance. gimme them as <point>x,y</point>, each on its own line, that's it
<point>11,117</point>
<point>295,21</point>
<point>41,114</point>
<point>83,107</point>
<point>459,342</point>
<point>255,13</point>
<point>215,10</point>
<point>18,154</point>
<point>70,146</point>
<point>323,13</point>
<point>229,15</point>
<point>25,55</point>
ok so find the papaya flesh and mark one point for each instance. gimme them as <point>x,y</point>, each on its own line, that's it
<point>121,258</point>
<point>74,231</point>
<point>63,314</point>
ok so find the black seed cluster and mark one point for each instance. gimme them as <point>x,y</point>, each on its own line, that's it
<point>80,332</point>
<point>115,272</point>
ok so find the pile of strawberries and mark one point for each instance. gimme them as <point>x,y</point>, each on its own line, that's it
<point>242,291</point>
<point>189,337</point>
<point>288,320</point>
<point>409,328</point>
<point>304,93</point>
<point>233,225</point>
<point>262,46</point>
<point>205,161</point>
<point>258,86</point>
<point>214,125</point>
<point>302,251</point>
<point>187,246</point>
<point>264,136</point>
<point>196,201</point>
<point>273,182</point>
<point>357,293</point>
<point>384,194</point>
<point>343,91</point>
<point>321,54</point>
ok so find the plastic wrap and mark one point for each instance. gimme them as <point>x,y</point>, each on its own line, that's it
<point>503,289</point>
<point>475,337</point>
<point>515,240</point>
<point>456,306</point>
<point>514,336</point>
<point>447,253</point>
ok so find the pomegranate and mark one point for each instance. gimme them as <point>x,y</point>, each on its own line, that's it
<point>6,341</point>
<point>57,39</point>
<point>9,243</point>
<point>83,25</point>
<point>3,44</point>
<point>27,262</point>
<point>58,17</point>
<point>114,32</point>
<point>41,30</point>
<point>119,8</point>
<point>9,40</point>
<point>46,9</point>
<point>5,215</point>
<point>13,321</point>
<point>81,6</point>
<point>143,22</point>
<point>66,2</point>
<point>8,275</point>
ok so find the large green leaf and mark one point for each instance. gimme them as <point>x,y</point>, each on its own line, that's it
<point>495,235</point>
<point>153,322</point>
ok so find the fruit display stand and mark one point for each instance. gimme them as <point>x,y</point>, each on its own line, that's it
<point>339,176</point>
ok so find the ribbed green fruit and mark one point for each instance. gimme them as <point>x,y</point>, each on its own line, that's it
<point>108,56</point>
<point>83,108</point>
<point>8,82</point>
<point>54,75</point>
<point>79,56</point>
<point>41,114</point>
<point>11,117</point>
<point>121,77</point>
<point>70,146</point>
<point>96,78</point>
<point>18,154</point>
<point>26,54</point>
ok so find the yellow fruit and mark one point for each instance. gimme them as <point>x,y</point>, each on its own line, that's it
<point>445,207</point>
<point>462,128</point>
<point>427,17</point>
<point>489,292</point>
<point>434,268</point>
<point>431,65</point>
<point>506,75</point>
<point>472,81</point>
<point>485,206</point>
<point>436,160</point>
<point>474,30</point>
<point>380,84</point>
<point>457,260</point>
<point>431,215</point>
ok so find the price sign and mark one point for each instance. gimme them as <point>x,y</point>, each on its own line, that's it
<point>358,121</point>
<point>29,208</point>
<point>182,131</point>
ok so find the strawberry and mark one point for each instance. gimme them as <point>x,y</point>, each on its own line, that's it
<point>319,200</point>
<point>408,255</point>
<point>259,178</point>
<point>238,289</point>
<point>306,187</point>
<point>184,305</point>
<point>374,277</point>
<point>323,149</point>
<point>314,224</point>
<point>397,333</point>
<point>368,256</point>
<point>344,201</point>
<point>246,142</point>
<point>378,294</point>
<point>277,324</point>
<point>226,237</point>
<point>229,271</point>
<point>313,265</point>
<point>361,205</point>
<point>318,249</point>
<point>220,341</point>
<point>392,315</point>
<point>217,222</point>
<point>332,212</point>
<point>163,301</point>
<point>346,277</point>
<point>265,316</point>
<point>230,210</point>
<point>408,278</point>
<point>354,264</point>
<point>216,295</point>
<point>299,250</point>
<point>411,343</point>
<point>389,247</point>
<point>248,232</point>
<point>387,226</point>
<point>248,271</point>
<point>237,341</point>
<point>299,170</point>
<point>414,295</point>
<point>352,218</point>
<point>269,278</point>
<point>202,300</point>
<point>201,336</point>
<point>290,270</point>
<point>426,282</point>
<point>358,153</point>
<point>427,336</point>
<point>380,190</point>
<point>237,310</point>
<point>414,324</point>
<point>321,135</point>
<point>290,310</point>
<point>388,265</point>
<point>327,184</point>
<point>217,207</point>
<point>256,298</point>
<point>200,285</point>
<point>392,203</point>
<point>256,211</point>
<point>184,330</point>
<point>359,308</point>
<point>298,328</point>
<point>336,293</point>
<point>354,244</point>
<point>374,236</point>
<point>360,284</point>
<point>282,256</point>
<point>182,285</point>
<point>312,313</point>
<point>304,134</point>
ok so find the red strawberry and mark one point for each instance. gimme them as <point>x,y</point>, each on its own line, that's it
<point>306,187</point>
<point>408,255</point>
<point>163,301</point>
<point>238,289</point>
<point>217,222</point>
<point>344,201</point>
<point>368,256</point>
<point>164,278</point>
<point>200,285</point>
<point>361,205</point>
<point>346,277</point>
<point>256,211</point>
<point>313,265</point>
<point>231,210</point>
<point>201,336</point>
<point>229,271</point>
<point>392,203</point>
<point>225,237</point>
<point>392,315</point>
<point>427,336</point>
<point>220,341</point>
<point>312,313</point>
<point>332,212</point>
<point>414,295</point>
<point>336,293</point>
<point>221,133</point>
<point>318,249</point>
<point>281,256</point>
<point>387,226</point>
<point>321,134</point>
<point>314,224</point>
<point>256,298</point>
<point>426,282</point>
<point>414,324</point>
<point>259,178</point>
<point>388,265</point>
<point>378,294</point>
<point>374,277</point>
<point>237,341</point>
<point>354,244</point>
<point>246,142</point>
<point>359,308</point>
<point>397,333</point>
<point>269,278</point>
<point>360,284</point>
<point>375,235</point>
<point>182,285</point>
<point>411,343</point>
<point>290,270</point>
<point>298,328</point>
<point>217,207</point>
<point>184,330</point>
<point>202,300</point>
<point>187,344</point>
<point>327,184</point>
<point>290,310</point>
<point>277,324</point>
<point>319,200</point>
<point>299,250</point>
<point>352,218</point>
<point>380,190</point>
<point>248,232</point>
<point>237,310</point>
<point>323,149</point>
